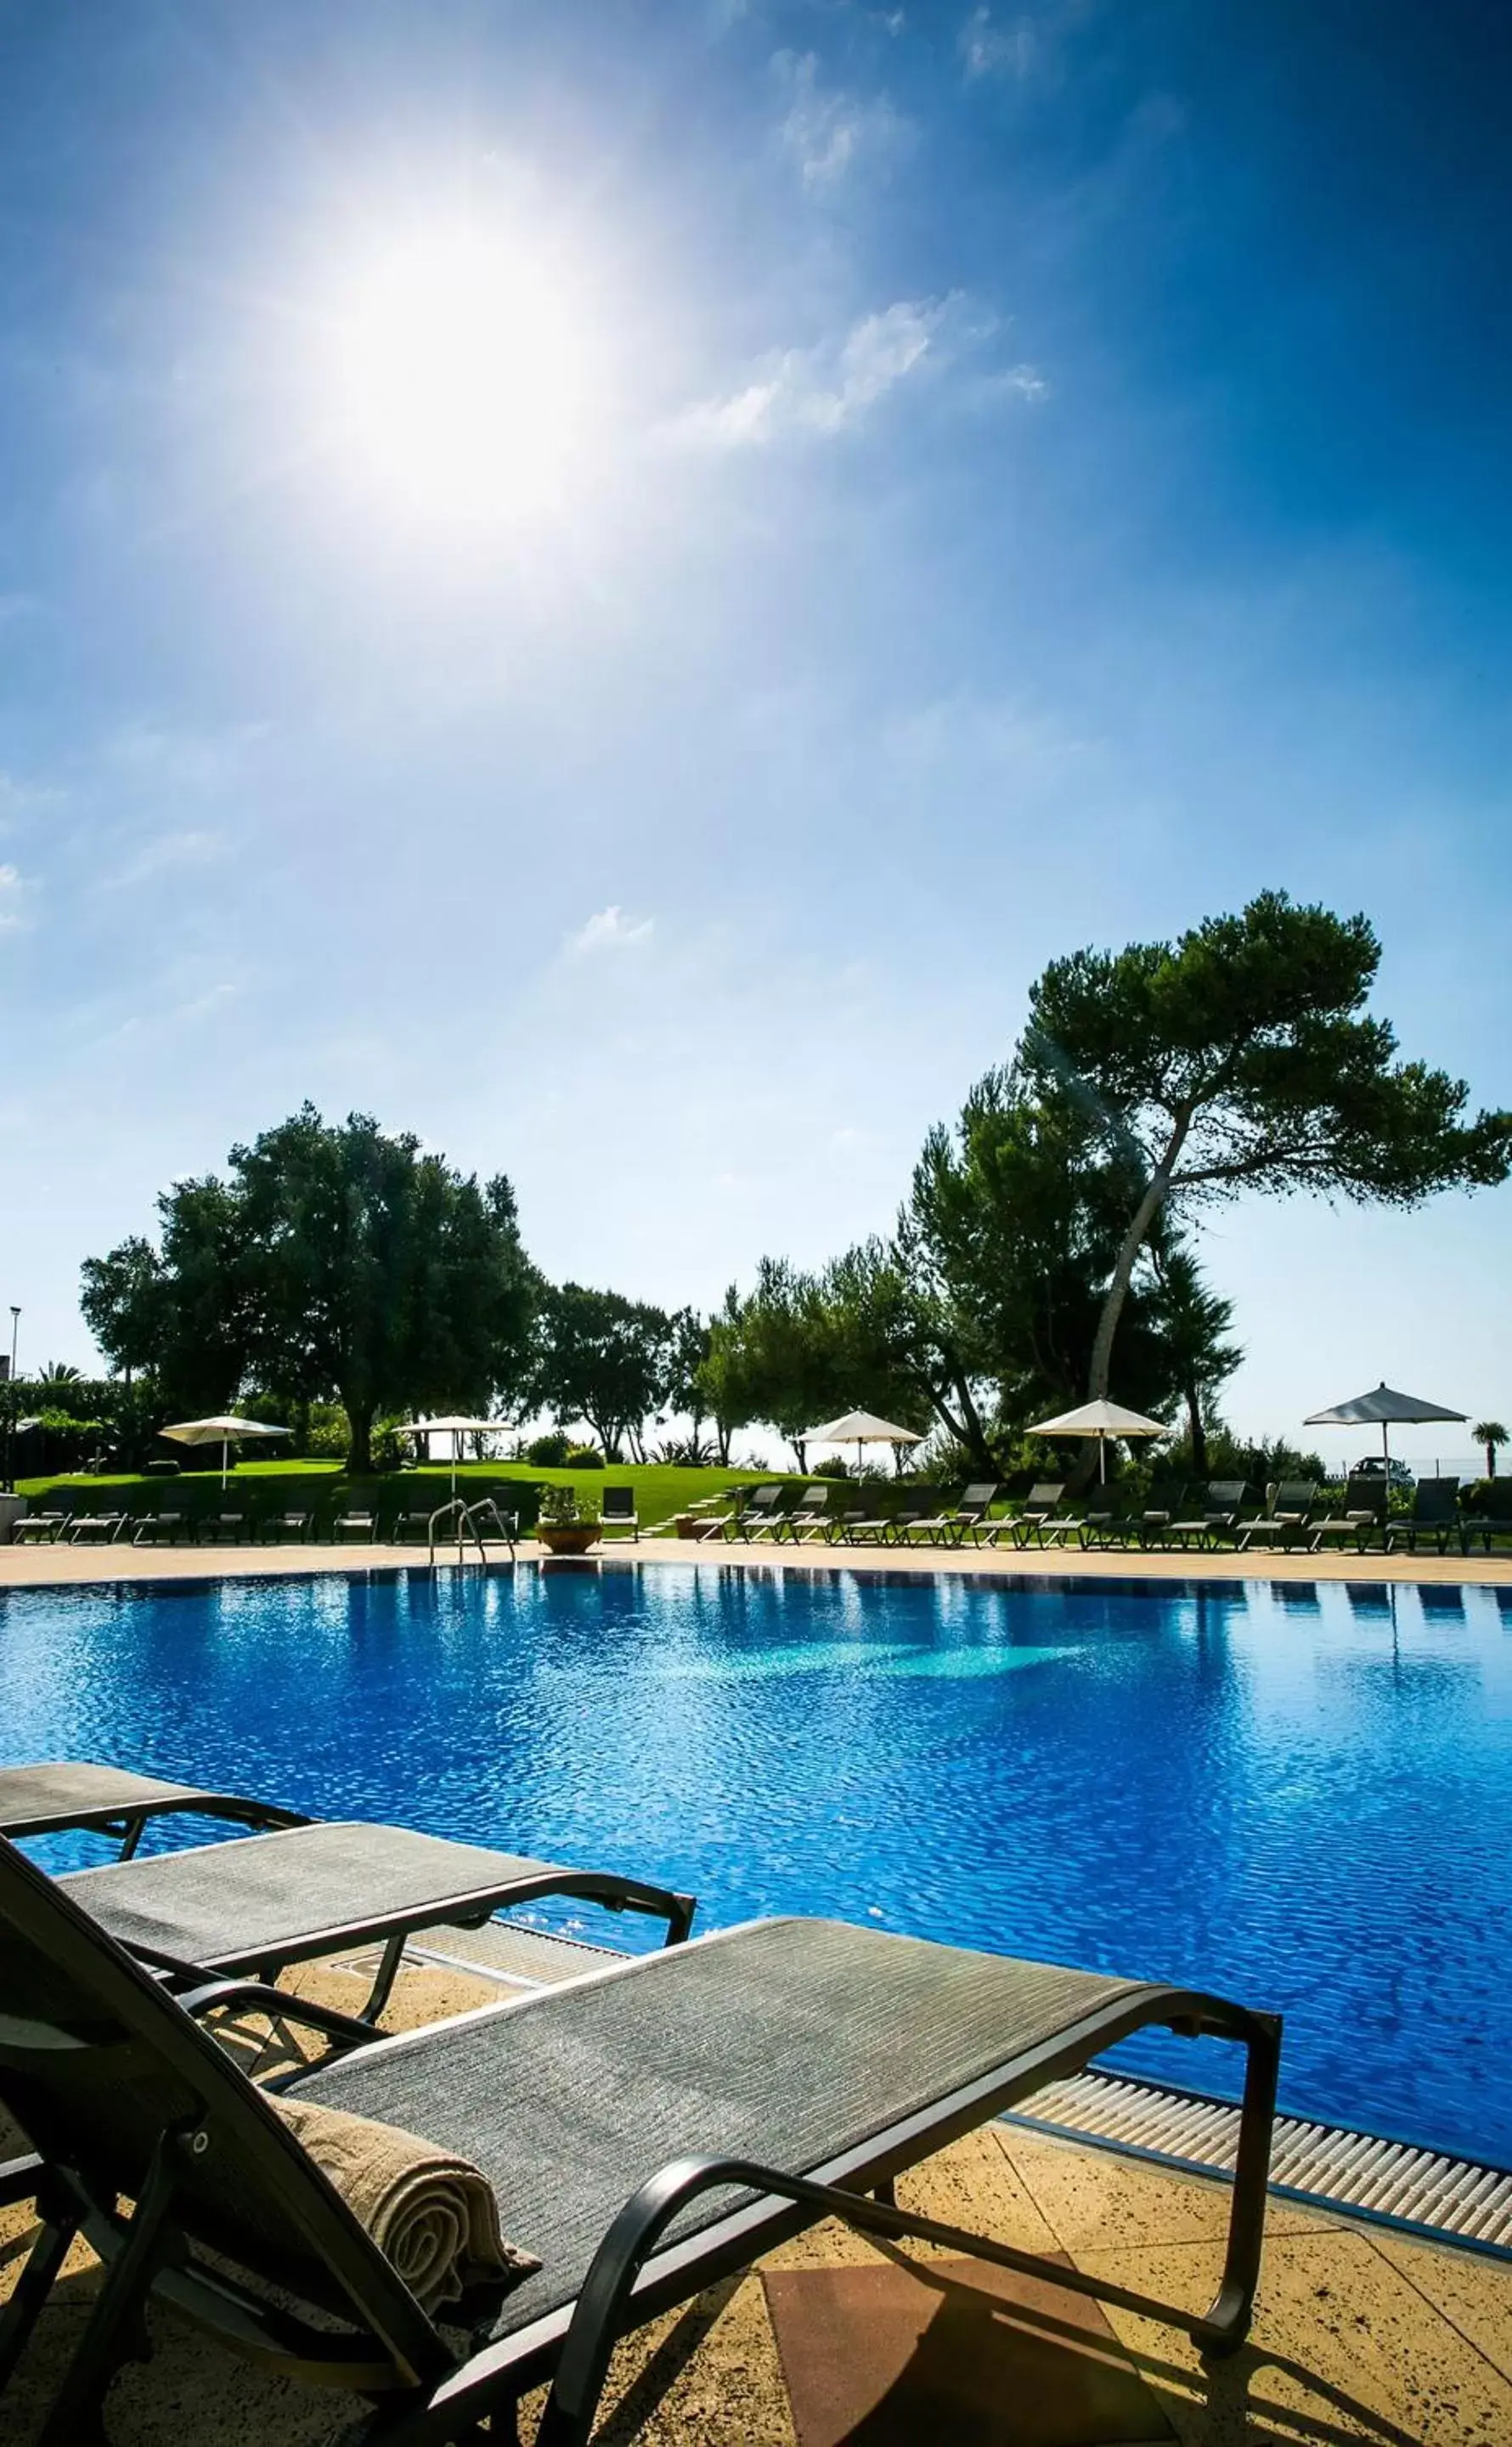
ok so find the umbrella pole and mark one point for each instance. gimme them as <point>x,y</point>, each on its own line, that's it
<point>1102,1461</point>
<point>225,1461</point>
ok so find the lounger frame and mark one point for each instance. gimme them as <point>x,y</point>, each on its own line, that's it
<point>391,2351</point>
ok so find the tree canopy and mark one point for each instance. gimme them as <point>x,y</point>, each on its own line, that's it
<point>337,1262</point>
<point>1242,1057</point>
<point>603,1359</point>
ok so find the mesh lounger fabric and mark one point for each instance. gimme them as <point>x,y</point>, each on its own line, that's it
<point>261,1898</point>
<point>70,1793</point>
<point>789,2042</point>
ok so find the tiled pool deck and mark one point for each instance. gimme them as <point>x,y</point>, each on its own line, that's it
<point>1361,2333</point>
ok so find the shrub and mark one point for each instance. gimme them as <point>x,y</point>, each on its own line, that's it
<point>548,1452</point>
<point>561,1507</point>
<point>582,1457</point>
<point>838,1466</point>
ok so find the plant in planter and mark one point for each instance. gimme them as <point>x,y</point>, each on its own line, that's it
<point>565,1524</point>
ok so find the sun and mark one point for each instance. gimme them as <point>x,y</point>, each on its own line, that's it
<point>461,371</point>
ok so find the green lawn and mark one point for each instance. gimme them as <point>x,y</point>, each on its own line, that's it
<point>659,1491</point>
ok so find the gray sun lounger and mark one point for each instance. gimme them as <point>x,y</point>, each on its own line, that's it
<point>261,1903</point>
<point>1362,1517</point>
<point>1435,1514</point>
<point>648,2130</point>
<point>1221,1504</point>
<point>1286,1516</point>
<point>49,1796</point>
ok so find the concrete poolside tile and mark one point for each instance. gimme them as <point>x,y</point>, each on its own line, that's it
<point>1096,2199</point>
<point>956,2350</point>
<point>1473,2293</point>
<point>1343,2348</point>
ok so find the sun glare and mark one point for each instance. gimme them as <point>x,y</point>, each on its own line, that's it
<point>462,377</point>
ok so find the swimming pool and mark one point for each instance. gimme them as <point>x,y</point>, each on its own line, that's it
<point>1299,1795</point>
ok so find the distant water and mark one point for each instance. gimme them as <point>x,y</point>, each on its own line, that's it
<point>1300,1795</point>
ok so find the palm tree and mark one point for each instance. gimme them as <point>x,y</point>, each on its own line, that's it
<point>1489,1433</point>
<point>58,1371</point>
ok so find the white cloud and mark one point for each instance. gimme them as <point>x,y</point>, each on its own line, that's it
<point>194,848</point>
<point>827,135</point>
<point>608,930</point>
<point>989,49</point>
<point>12,886</point>
<point>1016,381</point>
<point>825,390</point>
<point>201,761</point>
<point>20,799</point>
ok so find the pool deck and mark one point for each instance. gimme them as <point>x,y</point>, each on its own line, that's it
<point>71,1567</point>
<point>1360,2333</point>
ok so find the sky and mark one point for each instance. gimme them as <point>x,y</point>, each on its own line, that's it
<point>606,580</point>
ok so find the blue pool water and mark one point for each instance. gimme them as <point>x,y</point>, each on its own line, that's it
<point>1300,1795</point>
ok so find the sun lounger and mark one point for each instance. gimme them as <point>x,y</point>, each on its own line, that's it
<point>160,1529</point>
<point>262,1902</point>
<point>1435,1514</point>
<point>1218,1518</point>
<point>223,1529</point>
<point>92,1528</point>
<point>952,1526</point>
<point>38,1528</point>
<point>749,1507</point>
<point>617,1511</point>
<point>810,1513</point>
<point>1361,1517</point>
<point>646,2131</point>
<point>53,1795</point>
<point>278,1526</point>
<point>1041,1505</point>
<point>893,1528</point>
<point>763,1517</point>
<point>1285,1515</point>
<point>354,1525</point>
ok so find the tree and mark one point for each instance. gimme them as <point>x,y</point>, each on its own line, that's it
<point>337,1263</point>
<point>1192,1322</point>
<point>1007,1238</point>
<point>377,1276</point>
<point>123,1305</point>
<point>603,1359</point>
<point>1489,1434</point>
<point>1239,1058</point>
<point>685,1390</point>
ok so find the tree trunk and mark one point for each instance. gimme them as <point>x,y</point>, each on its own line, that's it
<point>799,1444</point>
<point>1196,1429</point>
<point>1156,1191</point>
<point>359,1452</point>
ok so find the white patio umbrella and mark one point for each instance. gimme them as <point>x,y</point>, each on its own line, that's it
<point>860,1428</point>
<point>1102,1420</point>
<point>455,1429</point>
<point>224,1432</point>
<point>1384,1408</point>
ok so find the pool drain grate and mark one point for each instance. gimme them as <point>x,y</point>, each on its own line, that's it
<point>1449,2198</point>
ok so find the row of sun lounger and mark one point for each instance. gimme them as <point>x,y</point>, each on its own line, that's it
<point>644,2128</point>
<point>1298,1513</point>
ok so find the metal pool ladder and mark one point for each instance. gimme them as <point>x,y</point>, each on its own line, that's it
<point>471,1522</point>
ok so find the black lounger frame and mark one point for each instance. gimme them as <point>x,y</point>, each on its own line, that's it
<point>392,2352</point>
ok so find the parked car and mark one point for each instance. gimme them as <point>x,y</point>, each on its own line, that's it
<point>1373,1464</point>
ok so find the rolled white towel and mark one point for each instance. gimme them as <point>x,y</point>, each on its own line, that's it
<point>433,2217</point>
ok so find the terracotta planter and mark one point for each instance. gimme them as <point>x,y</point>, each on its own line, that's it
<point>688,1524</point>
<point>567,1537</point>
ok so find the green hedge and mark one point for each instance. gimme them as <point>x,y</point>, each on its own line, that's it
<point>322,1493</point>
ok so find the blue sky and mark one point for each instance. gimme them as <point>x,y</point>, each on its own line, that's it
<point>935,486</point>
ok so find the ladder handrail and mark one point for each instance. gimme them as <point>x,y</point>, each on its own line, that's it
<point>456,1507</point>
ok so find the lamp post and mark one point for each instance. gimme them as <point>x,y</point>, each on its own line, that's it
<point>11,1398</point>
